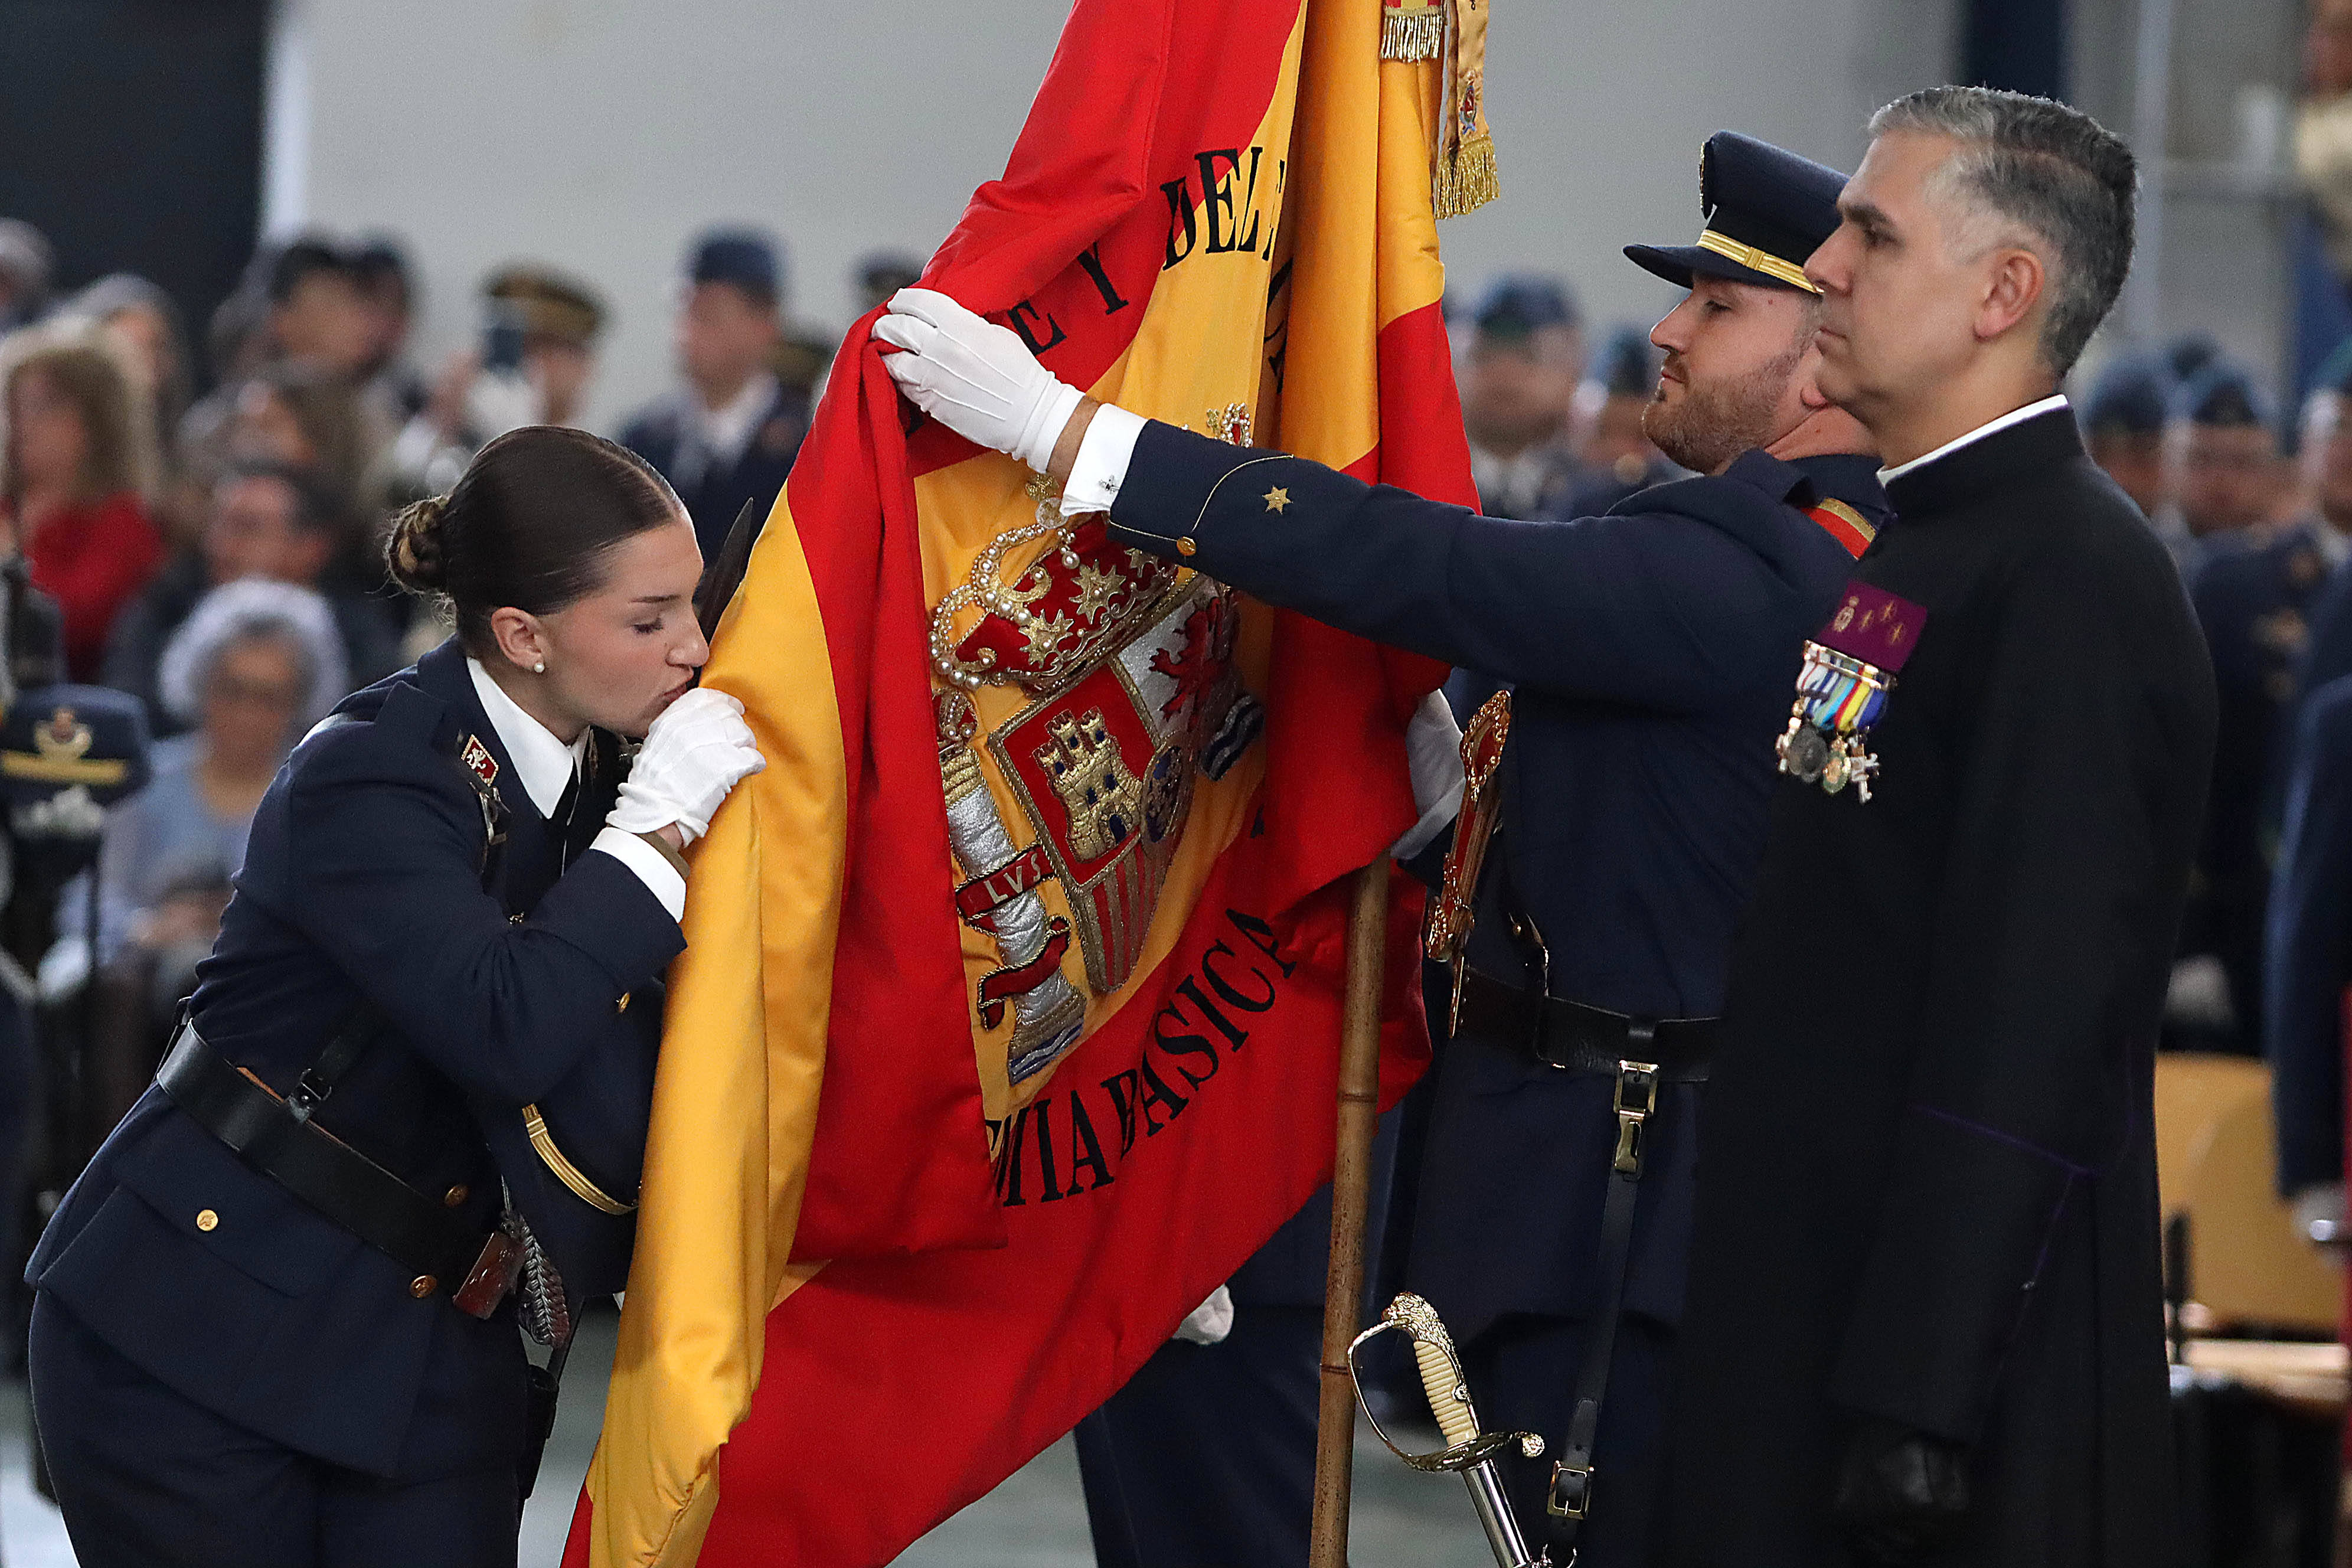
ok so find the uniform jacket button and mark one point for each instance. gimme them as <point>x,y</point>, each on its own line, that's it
<point>456,1196</point>
<point>424,1285</point>
<point>206,1219</point>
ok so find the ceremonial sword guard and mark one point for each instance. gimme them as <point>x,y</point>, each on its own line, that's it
<point>1469,1452</point>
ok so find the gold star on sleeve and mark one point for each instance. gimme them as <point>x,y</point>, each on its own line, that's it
<point>1276,498</point>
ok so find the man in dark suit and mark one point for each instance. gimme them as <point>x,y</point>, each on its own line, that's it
<point>1926,1319</point>
<point>1650,649</point>
<point>727,435</point>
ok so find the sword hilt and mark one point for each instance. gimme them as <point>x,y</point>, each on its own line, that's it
<point>1468,1451</point>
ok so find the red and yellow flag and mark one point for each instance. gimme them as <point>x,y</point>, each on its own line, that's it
<point>1009,1023</point>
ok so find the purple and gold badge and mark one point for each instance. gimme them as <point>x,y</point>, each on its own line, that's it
<point>1849,667</point>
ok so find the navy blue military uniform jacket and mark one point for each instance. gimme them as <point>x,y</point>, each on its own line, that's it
<point>1653,650</point>
<point>719,492</point>
<point>363,880</point>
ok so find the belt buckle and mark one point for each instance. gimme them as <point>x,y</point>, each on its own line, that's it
<point>1571,1491</point>
<point>1637,1100</point>
<point>494,1274</point>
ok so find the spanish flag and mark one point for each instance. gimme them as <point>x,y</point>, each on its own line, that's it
<point>1009,1023</point>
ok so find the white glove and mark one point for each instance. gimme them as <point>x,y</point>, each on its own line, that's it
<point>976,378</point>
<point>696,751</point>
<point>1433,749</point>
<point>1210,1321</point>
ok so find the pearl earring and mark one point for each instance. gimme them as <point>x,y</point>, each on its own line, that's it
<point>540,669</point>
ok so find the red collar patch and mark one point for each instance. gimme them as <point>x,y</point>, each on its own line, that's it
<point>478,761</point>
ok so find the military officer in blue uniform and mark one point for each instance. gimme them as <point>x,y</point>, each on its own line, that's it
<point>1652,651</point>
<point>276,1321</point>
<point>726,436</point>
<point>2254,597</point>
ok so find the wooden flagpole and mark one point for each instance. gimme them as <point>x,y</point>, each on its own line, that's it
<point>1351,1170</point>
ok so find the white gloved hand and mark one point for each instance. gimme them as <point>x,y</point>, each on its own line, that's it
<point>697,750</point>
<point>1210,1321</point>
<point>1433,749</point>
<point>976,378</point>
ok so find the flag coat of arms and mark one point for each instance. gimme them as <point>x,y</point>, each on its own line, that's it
<point>1008,1027</point>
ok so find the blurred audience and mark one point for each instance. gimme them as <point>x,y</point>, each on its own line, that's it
<point>390,387</point>
<point>2123,419</point>
<point>1519,377</point>
<point>1614,457</point>
<point>268,523</point>
<point>77,468</point>
<point>300,417</point>
<point>726,437</point>
<point>2225,474</point>
<point>25,264</point>
<point>535,366</point>
<point>255,665</point>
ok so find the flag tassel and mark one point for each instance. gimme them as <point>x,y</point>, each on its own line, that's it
<point>1414,34</point>
<point>1468,180</point>
<point>1351,1172</point>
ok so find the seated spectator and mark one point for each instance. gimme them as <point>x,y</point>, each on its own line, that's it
<point>266,521</point>
<point>297,418</point>
<point>145,324</point>
<point>391,390</point>
<point>78,464</point>
<point>301,307</point>
<point>255,665</point>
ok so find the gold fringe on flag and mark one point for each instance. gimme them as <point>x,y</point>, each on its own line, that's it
<point>1467,179</point>
<point>1412,29</point>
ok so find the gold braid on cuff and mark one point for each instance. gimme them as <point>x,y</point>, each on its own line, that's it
<point>586,1191</point>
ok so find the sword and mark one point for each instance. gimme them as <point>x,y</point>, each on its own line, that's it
<point>1468,1451</point>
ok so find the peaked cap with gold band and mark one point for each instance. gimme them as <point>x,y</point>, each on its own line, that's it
<point>1767,210</point>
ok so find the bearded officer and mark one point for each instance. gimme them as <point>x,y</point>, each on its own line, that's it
<point>1652,650</point>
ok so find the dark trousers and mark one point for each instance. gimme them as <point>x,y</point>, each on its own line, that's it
<point>145,1477</point>
<point>1522,1374</point>
<point>1206,1458</point>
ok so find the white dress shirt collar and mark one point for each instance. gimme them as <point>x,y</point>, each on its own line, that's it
<point>727,429</point>
<point>543,764</point>
<point>2014,416</point>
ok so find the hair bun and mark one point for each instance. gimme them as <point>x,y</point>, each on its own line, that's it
<point>414,551</point>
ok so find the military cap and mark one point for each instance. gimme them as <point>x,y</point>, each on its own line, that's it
<point>2129,398</point>
<point>2189,354</point>
<point>882,273</point>
<point>1766,211</point>
<point>1627,365</point>
<point>742,257</point>
<point>2223,396</point>
<point>548,303</point>
<point>1517,304</point>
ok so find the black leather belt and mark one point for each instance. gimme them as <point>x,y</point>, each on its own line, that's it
<point>278,1138</point>
<point>1641,1054</point>
<point>1575,1038</point>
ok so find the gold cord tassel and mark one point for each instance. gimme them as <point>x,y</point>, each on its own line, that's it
<point>1412,29</point>
<point>1467,178</point>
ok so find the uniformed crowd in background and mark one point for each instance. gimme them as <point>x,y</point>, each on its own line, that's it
<point>197,529</point>
<point>216,560</point>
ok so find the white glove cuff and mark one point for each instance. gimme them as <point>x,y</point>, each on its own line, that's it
<point>1042,429</point>
<point>643,810</point>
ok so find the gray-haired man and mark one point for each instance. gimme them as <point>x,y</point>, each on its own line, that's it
<point>1925,1320</point>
